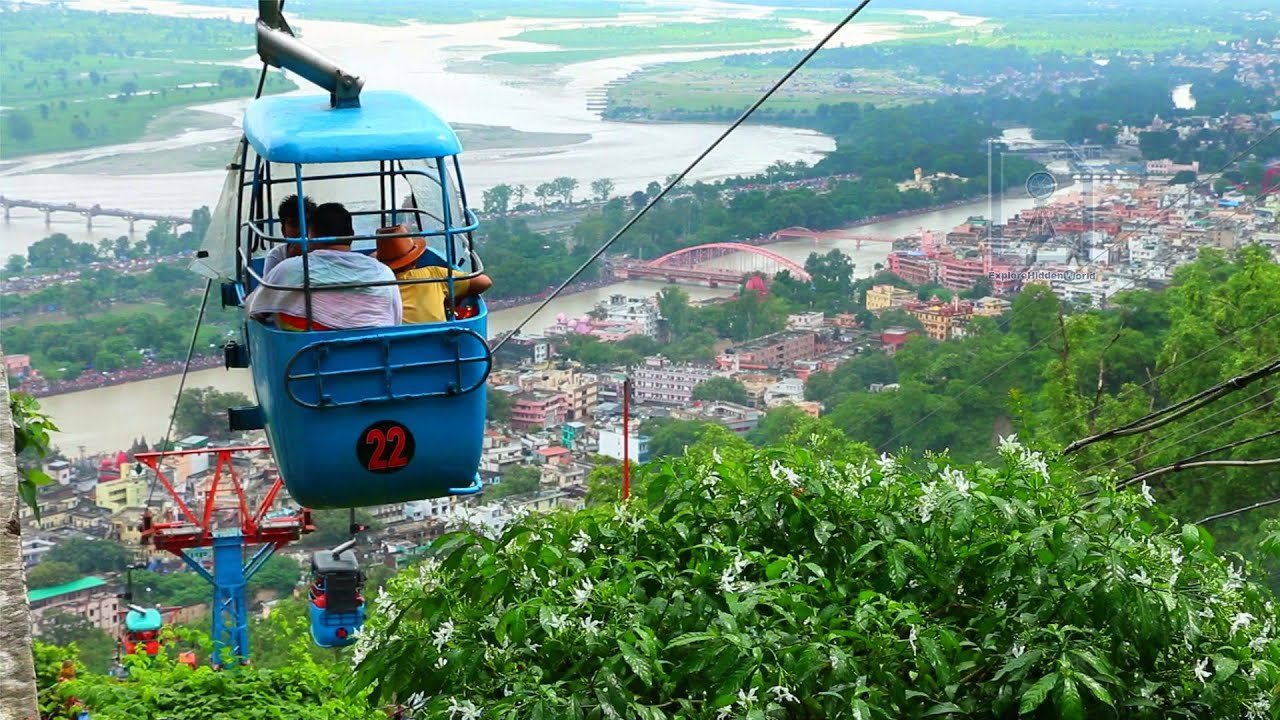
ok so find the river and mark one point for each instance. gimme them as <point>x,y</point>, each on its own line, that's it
<point>110,418</point>
<point>423,60</point>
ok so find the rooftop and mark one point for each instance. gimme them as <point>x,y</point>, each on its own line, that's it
<point>84,583</point>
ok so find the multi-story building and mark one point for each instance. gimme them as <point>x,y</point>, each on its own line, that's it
<point>776,351</point>
<point>938,318</point>
<point>886,297</point>
<point>581,390</point>
<point>913,266</point>
<point>129,491</point>
<point>639,313</point>
<point>991,307</point>
<point>786,391</point>
<point>610,440</point>
<point>523,349</point>
<point>738,418</point>
<point>806,321</point>
<point>87,597</point>
<point>659,380</point>
<point>34,549</point>
<point>538,408</point>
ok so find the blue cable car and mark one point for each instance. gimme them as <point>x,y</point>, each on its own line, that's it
<point>142,629</point>
<point>375,415</point>
<point>336,607</point>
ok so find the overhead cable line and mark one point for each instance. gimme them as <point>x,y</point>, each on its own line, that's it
<point>195,335</point>
<point>1151,381</point>
<point>1191,460</point>
<point>679,177</point>
<point>1167,415</point>
<point>1175,439</point>
<point>1240,510</point>
<point>1123,236</point>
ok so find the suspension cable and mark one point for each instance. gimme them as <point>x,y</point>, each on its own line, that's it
<point>1166,415</point>
<point>1175,439</point>
<point>688,169</point>
<point>195,336</point>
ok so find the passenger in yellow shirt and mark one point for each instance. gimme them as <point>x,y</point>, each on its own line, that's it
<point>423,302</point>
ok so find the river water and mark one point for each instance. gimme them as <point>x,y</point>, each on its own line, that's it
<point>422,60</point>
<point>110,418</point>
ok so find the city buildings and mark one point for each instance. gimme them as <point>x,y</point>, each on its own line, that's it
<point>775,351</point>
<point>661,381</point>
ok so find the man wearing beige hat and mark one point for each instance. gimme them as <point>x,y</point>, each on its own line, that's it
<point>424,302</point>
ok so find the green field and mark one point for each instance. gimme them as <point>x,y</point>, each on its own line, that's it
<point>584,44</point>
<point>709,86</point>
<point>396,12</point>
<point>79,79</point>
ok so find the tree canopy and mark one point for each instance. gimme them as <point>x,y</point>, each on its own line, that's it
<point>780,583</point>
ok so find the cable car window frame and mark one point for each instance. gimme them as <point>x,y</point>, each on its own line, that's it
<point>262,213</point>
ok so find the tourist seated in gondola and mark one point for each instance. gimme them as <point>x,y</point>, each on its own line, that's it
<point>423,302</point>
<point>290,227</point>
<point>330,263</point>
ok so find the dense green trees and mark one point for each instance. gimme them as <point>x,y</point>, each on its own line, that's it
<point>203,411</point>
<point>91,555</point>
<point>722,388</point>
<point>795,583</point>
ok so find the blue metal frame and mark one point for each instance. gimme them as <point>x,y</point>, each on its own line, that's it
<point>230,577</point>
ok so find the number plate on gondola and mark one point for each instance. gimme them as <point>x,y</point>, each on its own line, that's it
<point>385,446</point>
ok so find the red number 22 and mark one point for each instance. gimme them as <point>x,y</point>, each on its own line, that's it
<point>394,437</point>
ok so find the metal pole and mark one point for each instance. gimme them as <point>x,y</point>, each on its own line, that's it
<point>626,438</point>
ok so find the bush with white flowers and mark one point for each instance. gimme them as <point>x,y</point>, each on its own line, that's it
<point>777,584</point>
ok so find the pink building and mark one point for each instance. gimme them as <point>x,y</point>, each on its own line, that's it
<point>538,408</point>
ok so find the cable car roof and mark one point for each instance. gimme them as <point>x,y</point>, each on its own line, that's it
<point>388,125</point>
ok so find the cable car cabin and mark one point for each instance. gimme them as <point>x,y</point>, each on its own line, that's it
<point>366,415</point>
<point>142,629</point>
<point>336,607</point>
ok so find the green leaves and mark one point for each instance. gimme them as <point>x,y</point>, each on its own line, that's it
<point>1037,693</point>
<point>725,588</point>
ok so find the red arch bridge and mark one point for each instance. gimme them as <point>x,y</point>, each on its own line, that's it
<point>713,264</point>
<point>817,236</point>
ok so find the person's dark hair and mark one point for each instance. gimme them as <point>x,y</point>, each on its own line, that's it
<point>332,220</point>
<point>288,209</point>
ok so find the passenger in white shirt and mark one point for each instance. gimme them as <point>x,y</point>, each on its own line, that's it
<point>329,264</point>
<point>290,227</point>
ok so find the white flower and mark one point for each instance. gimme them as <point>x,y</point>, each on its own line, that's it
<point>1175,556</point>
<point>957,480</point>
<point>1146,494</point>
<point>782,694</point>
<point>888,466</point>
<point>1009,445</point>
<point>1260,708</point>
<point>583,593</point>
<point>1241,620</point>
<point>590,626</point>
<point>747,698</point>
<point>1202,674</point>
<point>1140,577</point>
<point>383,603</point>
<point>1205,613</point>
<point>724,712</point>
<point>441,662</point>
<point>416,701</point>
<point>911,638</point>
<point>1235,580</point>
<point>1259,643</point>
<point>1017,650</point>
<point>581,542</point>
<point>464,710</point>
<point>928,502</point>
<point>715,455</point>
<point>364,643</point>
<point>555,622</point>
<point>778,469</point>
<point>442,634</point>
